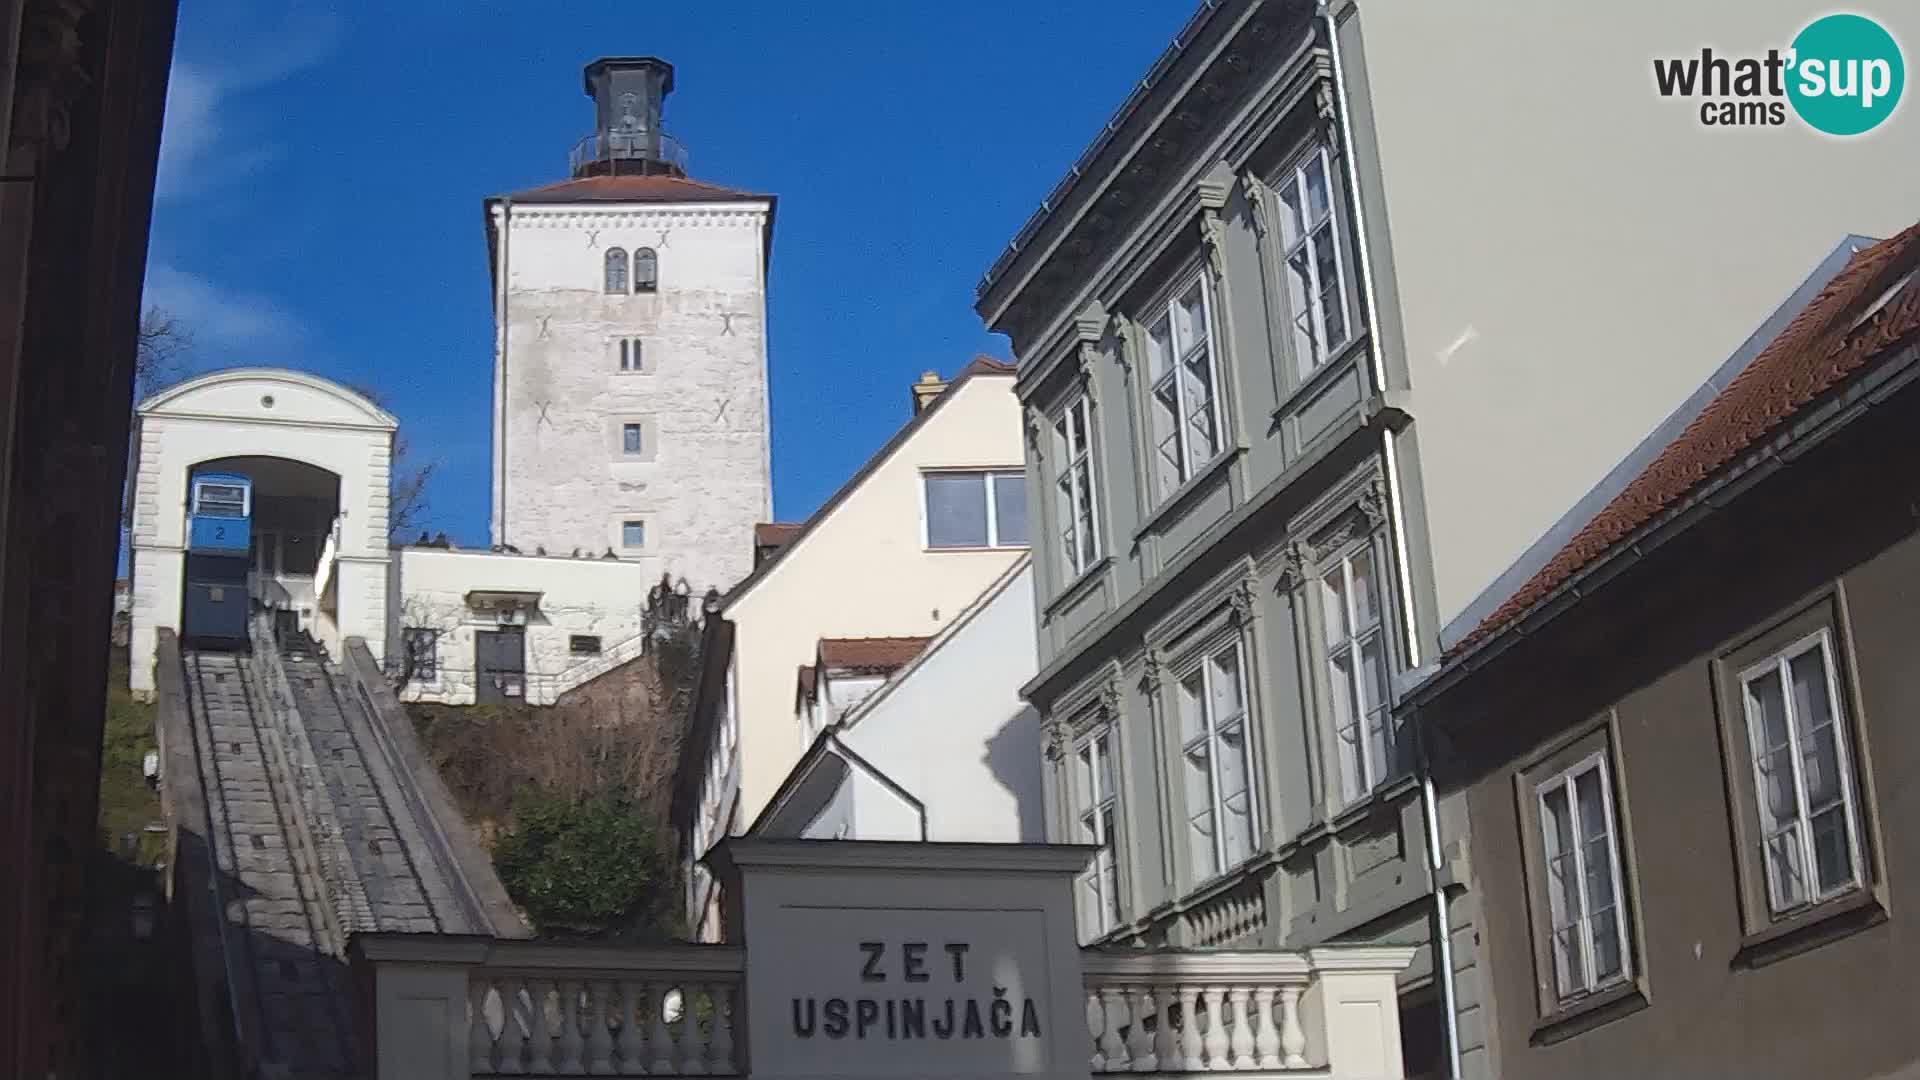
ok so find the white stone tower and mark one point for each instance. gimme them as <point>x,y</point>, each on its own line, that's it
<point>630,350</point>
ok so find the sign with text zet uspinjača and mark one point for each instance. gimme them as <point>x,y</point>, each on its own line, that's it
<point>862,963</point>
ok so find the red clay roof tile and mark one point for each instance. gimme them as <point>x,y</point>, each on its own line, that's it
<point>1812,355</point>
<point>870,654</point>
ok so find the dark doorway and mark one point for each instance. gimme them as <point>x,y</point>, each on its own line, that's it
<point>500,665</point>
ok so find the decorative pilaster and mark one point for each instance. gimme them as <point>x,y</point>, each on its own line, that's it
<point>1055,735</point>
<point>1153,673</point>
<point>1213,190</point>
<point>1240,600</point>
<point>1372,503</point>
<point>1329,116</point>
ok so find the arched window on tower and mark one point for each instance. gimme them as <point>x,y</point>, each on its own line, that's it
<point>617,270</point>
<point>646,270</point>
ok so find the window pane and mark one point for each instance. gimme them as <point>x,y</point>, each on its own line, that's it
<point>633,534</point>
<point>616,271</point>
<point>1085,792</point>
<point>1192,722</point>
<point>1568,969</point>
<point>630,438</point>
<point>1786,881</point>
<point>1372,706</point>
<point>1315,181</point>
<point>1832,850</point>
<point>1607,959</point>
<point>1010,507</point>
<point>1300,295</point>
<point>1593,812</point>
<point>1160,349</point>
<point>1103,775</point>
<point>1813,719</point>
<point>1333,605</point>
<point>1332,304</point>
<point>956,510</point>
<point>1293,224</point>
<point>1224,685</point>
<point>1083,524</point>
<point>1191,312</point>
<point>1346,725</point>
<point>1236,801</point>
<point>1366,590</point>
<point>1773,757</point>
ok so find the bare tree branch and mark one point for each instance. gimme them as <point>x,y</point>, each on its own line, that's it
<point>160,351</point>
<point>408,479</point>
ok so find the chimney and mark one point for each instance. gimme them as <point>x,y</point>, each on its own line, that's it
<point>629,94</point>
<point>929,387</point>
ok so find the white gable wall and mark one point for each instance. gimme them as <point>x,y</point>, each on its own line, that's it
<point>864,571</point>
<point>953,731</point>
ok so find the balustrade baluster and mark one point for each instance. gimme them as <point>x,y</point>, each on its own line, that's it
<point>660,1040</point>
<point>516,1022</point>
<point>599,1029</point>
<point>1139,1039</point>
<point>1242,1033</point>
<point>693,1042</point>
<point>1164,1054</point>
<point>1190,1038</point>
<point>571,1045</point>
<point>1096,1031</point>
<point>479,1035</point>
<point>540,1061</point>
<point>629,1044</point>
<point>1111,1044</point>
<point>1266,1039</point>
<point>722,996</point>
<point>1293,1040</point>
<point>1217,1028</point>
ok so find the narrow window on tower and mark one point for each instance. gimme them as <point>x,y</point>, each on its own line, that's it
<point>646,270</point>
<point>633,534</point>
<point>632,358</point>
<point>630,439</point>
<point>617,271</point>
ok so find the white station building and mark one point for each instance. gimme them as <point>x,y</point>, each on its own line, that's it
<point>630,438</point>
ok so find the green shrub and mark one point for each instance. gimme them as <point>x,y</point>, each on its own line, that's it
<point>594,865</point>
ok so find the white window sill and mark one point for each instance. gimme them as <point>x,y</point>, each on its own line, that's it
<point>931,550</point>
<point>1320,377</point>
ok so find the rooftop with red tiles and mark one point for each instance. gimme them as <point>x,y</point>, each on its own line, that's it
<point>872,655</point>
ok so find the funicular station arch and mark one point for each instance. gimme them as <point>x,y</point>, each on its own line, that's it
<point>318,456</point>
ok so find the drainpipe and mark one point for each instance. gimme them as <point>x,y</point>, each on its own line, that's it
<point>500,336</point>
<point>1396,521</point>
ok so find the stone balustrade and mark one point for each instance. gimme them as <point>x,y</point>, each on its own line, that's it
<point>458,1007</point>
<point>1236,1011</point>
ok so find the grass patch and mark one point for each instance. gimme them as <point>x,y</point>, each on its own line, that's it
<point>128,804</point>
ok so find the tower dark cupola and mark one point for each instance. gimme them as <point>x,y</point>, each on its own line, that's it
<point>629,94</point>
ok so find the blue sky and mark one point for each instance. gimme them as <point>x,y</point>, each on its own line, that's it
<point>322,171</point>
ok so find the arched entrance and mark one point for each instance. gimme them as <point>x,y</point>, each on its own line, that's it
<point>318,456</point>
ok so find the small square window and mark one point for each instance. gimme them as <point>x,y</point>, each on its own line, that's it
<point>976,509</point>
<point>584,644</point>
<point>630,438</point>
<point>633,534</point>
<point>422,653</point>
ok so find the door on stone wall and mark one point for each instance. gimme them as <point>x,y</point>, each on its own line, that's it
<point>500,665</point>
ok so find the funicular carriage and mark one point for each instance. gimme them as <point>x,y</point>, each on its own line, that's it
<point>219,556</point>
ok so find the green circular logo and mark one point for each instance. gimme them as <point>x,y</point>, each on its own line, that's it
<point>1846,74</point>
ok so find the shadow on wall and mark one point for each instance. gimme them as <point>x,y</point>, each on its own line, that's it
<point>1013,757</point>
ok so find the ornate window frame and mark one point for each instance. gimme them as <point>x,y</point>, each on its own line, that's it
<point>1353,514</point>
<point>1227,610</point>
<point>1094,711</point>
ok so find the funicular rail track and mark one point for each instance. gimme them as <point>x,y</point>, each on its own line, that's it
<point>277,927</point>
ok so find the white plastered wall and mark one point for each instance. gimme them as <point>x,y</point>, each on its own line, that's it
<point>257,412</point>
<point>601,597</point>
<point>864,571</point>
<point>703,479</point>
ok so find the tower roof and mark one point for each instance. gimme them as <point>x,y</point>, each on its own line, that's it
<point>632,188</point>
